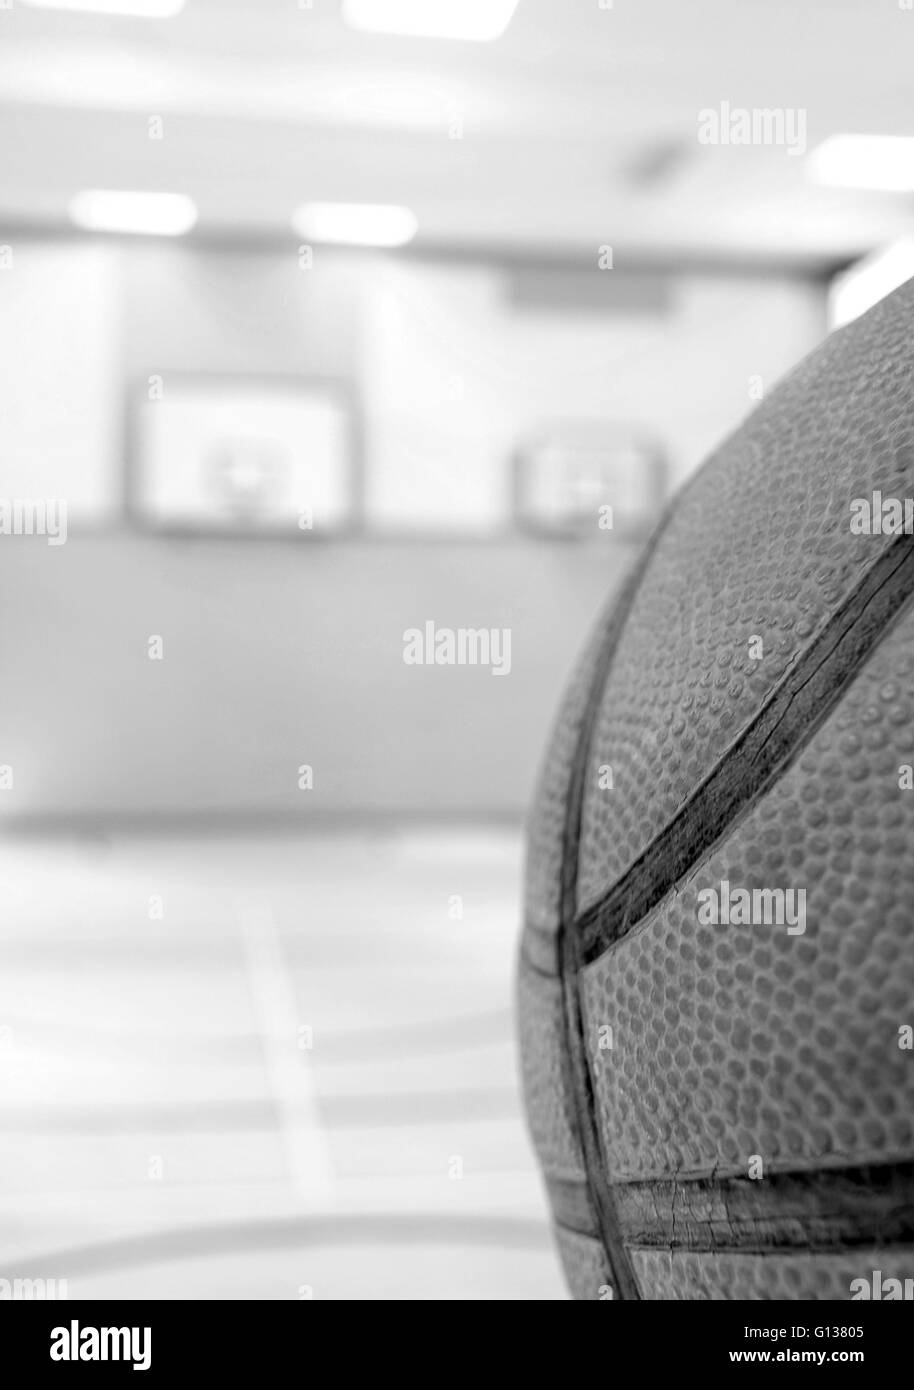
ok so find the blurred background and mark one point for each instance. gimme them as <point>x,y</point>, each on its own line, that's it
<point>321,323</point>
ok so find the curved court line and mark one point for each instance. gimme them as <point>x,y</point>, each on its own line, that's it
<point>289,1233</point>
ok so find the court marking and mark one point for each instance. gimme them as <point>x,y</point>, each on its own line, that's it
<point>290,1076</point>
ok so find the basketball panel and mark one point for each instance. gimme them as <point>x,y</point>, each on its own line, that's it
<point>738,1040</point>
<point>758,550</point>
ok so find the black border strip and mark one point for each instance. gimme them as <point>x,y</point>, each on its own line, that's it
<point>787,721</point>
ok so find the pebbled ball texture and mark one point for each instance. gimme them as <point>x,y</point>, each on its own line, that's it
<point>734,1041</point>
<point>730,1041</point>
<point>728,1276</point>
<point>759,544</point>
<point>725,1275</point>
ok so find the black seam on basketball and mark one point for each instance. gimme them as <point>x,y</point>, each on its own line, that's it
<point>582,1089</point>
<point>784,725</point>
<point>828,1209</point>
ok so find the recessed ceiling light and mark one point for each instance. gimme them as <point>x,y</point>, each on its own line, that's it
<point>130,9</point>
<point>478,20</point>
<point>116,210</point>
<point>356,224</point>
<point>884,163</point>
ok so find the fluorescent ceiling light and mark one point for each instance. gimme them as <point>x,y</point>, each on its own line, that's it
<point>433,19</point>
<point>115,210</point>
<point>130,9</point>
<point>356,224</point>
<point>884,163</point>
<point>862,285</point>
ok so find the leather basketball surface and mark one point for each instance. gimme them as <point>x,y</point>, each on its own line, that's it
<point>723,1108</point>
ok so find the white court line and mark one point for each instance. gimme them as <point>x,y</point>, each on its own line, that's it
<point>290,1074</point>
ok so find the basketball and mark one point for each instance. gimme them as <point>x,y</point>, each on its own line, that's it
<point>716,979</point>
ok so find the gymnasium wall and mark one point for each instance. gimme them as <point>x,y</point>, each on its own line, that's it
<point>282,653</point>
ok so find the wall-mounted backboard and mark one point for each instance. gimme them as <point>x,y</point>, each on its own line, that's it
<point>585,478</point>
<point>260,455</point>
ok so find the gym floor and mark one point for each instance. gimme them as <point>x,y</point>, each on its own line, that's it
<point>212,1045</point>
